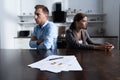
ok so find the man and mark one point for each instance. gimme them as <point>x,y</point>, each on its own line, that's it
<point>45,33</point>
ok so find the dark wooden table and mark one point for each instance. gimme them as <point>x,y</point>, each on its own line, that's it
<point>97,65</point>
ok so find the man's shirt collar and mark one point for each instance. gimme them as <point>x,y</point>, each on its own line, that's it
<point>44,24</point>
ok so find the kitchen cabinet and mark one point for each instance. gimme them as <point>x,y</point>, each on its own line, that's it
<point>21,43</point>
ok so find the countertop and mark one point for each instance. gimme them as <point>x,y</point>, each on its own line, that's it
<point>90,36</point>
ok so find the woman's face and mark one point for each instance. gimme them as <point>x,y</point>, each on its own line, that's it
<point>82,23</point>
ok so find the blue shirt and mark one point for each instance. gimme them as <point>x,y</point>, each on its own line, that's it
<point>48,33</point>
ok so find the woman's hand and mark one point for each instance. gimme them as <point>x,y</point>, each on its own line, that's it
<point>106,46</point>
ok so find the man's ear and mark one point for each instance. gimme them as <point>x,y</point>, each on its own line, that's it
<point>46,15</point>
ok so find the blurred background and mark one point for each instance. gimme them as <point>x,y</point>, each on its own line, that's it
<point>17,20</point>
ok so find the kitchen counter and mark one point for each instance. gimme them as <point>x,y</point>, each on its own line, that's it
<point>63,38</point>
<point>90,36</point>
<point>104,36</point>
<point>22,37</point>
<point>61,43</point>
<point>97,39</point>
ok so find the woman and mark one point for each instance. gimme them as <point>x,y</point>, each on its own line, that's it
<point>78,38</point>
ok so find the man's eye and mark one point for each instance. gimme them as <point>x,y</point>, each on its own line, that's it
<point>37,14</point>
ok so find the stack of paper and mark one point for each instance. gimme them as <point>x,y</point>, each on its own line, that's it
<point>55,63</point>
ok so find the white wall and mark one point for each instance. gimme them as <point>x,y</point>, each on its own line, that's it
<point>1,10</point>
<point>85,5</point>
<point>112,26</point>
<point>111,8</point>
<point>8,25</point>
<point>29,8</point>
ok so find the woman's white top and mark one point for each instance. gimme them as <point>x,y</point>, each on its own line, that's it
<point>80,41</point>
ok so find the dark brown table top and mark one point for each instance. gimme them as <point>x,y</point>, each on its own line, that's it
<point>97,65</point>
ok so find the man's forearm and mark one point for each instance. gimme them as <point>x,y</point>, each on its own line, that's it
<point>33,38</point>
<point>39,41</point>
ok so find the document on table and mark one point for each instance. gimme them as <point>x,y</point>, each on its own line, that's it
<point>56,63</point>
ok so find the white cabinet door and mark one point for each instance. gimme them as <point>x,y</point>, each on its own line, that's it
<point>21,43</point>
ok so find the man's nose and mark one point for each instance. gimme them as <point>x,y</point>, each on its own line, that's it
<point>35,16</point>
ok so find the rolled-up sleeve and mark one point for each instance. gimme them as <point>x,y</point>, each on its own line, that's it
<point>33,43</point>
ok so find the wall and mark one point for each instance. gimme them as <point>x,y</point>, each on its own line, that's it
<point>85,5</point>
<point>112,26</point>
<point>8,24</point>
<point>49,3</point>
<point>111,8</point>
<point>1,10</point>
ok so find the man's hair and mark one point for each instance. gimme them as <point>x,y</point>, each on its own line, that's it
<point>44,8</point>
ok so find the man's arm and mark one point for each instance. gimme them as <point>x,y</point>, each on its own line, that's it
<point>49,37</point>
<point>33,38</point>
<point>34,42</point>
<point>89,41</point>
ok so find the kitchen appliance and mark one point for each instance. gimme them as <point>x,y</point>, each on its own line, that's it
<point>24,33</point>
<point>58,15</point>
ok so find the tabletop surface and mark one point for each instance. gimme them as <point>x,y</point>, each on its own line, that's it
<point>97,65</point>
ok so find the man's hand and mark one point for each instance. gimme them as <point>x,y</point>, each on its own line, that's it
<point>39,41</point>
<point>35,39</point>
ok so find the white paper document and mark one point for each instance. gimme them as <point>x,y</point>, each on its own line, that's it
<point>56,63</point>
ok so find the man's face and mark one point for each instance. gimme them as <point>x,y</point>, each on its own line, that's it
<point>40,17</point>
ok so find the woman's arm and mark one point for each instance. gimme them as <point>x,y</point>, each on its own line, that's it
<point>72,41</point>
<point>88,39</point>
